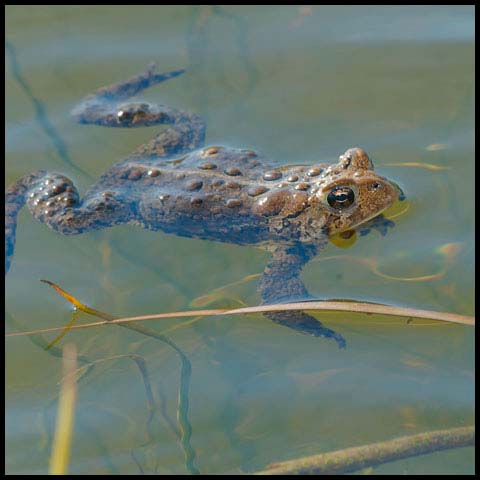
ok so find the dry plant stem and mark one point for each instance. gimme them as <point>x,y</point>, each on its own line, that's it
<point>352,459</point>
<point>353,307</point>
<point>360,307</point>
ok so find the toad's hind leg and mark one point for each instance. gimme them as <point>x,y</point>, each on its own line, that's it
<point>281,283</point>
<point>53,200</point>
<point>108,107</point>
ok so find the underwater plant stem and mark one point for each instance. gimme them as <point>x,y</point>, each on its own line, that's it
<point>66,413</point>
<point>356,458</point>
<point>185,374</point>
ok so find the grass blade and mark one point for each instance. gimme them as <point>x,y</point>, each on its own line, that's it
<point>66,413</point>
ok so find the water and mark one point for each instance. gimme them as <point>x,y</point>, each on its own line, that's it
<point>300,84</point>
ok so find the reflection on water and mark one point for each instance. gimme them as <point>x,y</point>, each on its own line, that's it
<point>300,84</point>
<point>41,117</point>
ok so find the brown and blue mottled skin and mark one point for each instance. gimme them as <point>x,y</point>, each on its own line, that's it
<point>174,185</point>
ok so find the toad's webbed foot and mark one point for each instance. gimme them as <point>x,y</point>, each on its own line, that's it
<point>306,324</point>
<point>281,283</point>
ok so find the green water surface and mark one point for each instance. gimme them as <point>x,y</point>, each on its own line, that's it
<point>301,85</point>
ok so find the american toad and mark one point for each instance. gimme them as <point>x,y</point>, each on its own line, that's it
<point>175,185</point>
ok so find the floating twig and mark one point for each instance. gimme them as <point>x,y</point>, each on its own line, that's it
<point>341,306</point>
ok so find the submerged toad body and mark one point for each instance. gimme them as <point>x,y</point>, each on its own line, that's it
<point>175,185</point>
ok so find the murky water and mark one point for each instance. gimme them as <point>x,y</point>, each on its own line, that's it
<point>300,84</point>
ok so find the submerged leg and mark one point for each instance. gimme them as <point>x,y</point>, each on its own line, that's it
<point>53,200</point>
<point>108,107</point>
<point>281,283</point>
<point>14,201</point>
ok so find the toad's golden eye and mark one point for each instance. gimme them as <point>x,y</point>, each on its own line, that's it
<point>341,197</point>
<point>124,116</point>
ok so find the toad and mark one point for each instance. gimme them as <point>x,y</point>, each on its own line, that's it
<point>176,185</point>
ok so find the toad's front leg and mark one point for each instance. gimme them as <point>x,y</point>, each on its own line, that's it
<point>281,282</point>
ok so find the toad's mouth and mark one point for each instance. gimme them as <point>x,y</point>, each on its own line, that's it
<point>365,220</point>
